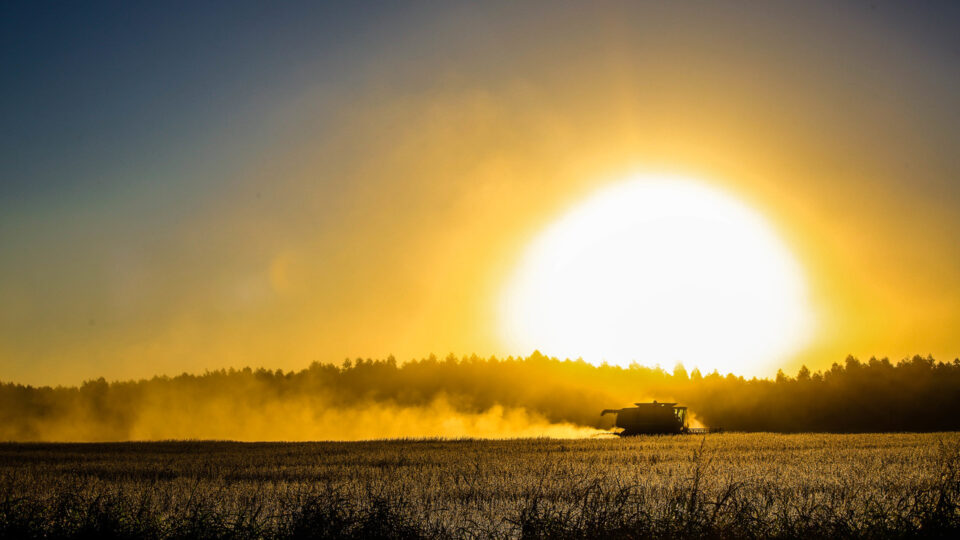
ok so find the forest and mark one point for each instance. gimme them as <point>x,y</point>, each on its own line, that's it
<point>478,397</point>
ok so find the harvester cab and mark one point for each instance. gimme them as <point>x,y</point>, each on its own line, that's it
<point>650,418</point>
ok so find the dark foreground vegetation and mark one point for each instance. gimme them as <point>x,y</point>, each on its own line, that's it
<point>724,485</point>
<point>378,399</point>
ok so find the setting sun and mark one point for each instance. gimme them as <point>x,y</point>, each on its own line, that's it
<point>660,269</point>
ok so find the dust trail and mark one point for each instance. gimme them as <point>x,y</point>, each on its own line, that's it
<point>255,414</point>
<point>301,420</point>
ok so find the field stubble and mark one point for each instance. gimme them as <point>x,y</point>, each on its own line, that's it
<point>718,485</point>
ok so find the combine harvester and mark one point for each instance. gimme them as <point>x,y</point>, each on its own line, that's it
<point>654,419</point>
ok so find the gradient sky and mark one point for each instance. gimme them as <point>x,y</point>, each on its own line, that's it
<point>209,185</point>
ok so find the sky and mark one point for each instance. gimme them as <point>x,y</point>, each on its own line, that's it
<point>186,187</point>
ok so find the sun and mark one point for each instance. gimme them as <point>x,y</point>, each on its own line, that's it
<point>659,270</point>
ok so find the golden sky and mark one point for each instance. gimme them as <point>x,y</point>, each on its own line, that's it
<point>369,192</point>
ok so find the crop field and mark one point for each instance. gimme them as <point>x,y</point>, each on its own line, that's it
<point>718,485</point>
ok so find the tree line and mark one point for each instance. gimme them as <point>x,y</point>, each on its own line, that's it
<point>913,394</point>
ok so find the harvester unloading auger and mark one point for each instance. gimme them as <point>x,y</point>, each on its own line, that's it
<point>653,418</point>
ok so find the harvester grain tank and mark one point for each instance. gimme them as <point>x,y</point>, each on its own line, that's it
<point>650,419</point>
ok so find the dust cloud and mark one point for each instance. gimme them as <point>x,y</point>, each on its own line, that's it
<point>322,403</point>
<point>301,420</point>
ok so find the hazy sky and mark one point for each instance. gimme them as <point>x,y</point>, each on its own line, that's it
<point>208,185</point>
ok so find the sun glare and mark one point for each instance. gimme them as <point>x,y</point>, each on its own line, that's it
<point>660,270</point>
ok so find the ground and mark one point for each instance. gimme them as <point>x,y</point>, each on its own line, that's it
<point>727,484</point>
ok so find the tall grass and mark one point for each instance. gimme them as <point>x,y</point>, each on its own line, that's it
<point>723,485</point>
